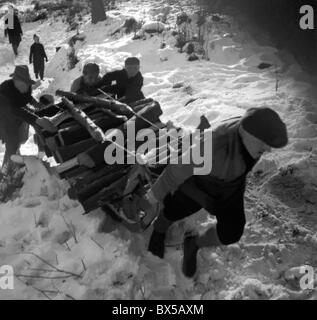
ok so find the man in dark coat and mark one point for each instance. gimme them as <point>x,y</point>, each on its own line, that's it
<point>88,82</point>
<point>237,145</point>
<point>13,29</point>
<point>15,117</point>
<point>37,56</point>
<point>125,84</point>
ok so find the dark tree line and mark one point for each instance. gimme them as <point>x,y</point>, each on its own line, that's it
<point>280,18</point>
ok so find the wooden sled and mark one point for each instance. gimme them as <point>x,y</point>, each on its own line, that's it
<point>81,125</point>
<point>79,146</point>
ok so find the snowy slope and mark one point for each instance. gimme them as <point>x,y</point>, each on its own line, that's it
<point>95,258</point>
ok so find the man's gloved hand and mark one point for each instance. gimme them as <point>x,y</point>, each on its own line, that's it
<point>46,124</point>
<point>143,209</point>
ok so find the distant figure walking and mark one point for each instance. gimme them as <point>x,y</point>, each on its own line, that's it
<point>72,59</point>
<point>37,56</point>
<point>13,30</point>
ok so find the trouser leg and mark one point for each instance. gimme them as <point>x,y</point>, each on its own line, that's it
<point>229,229</point>
<point>11,149</point>
<point>42,72</point>
<point>230,223</point>
<point>36,70</point>
<point>176,207</point>
<point>15,48</point>
<point>162,224</point>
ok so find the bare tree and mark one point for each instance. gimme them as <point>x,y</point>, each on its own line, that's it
<point>97,11</point>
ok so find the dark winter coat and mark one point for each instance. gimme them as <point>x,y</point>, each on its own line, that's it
<point>37,55</point>
<point>118,83</point>
<point>231,162</point>
<point>15,33</point>
<point>13,112</point>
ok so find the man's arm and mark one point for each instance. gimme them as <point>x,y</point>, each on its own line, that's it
<point>27,115</point>
<point>172,177</point>
<point>44,53</point>
<point>108,78</point>
<point>75,85</point>
<point>36,104</point>
<point>175,175</point>
<point>7,108</point>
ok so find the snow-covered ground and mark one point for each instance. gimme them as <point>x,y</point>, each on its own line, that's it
<point>94,257</point>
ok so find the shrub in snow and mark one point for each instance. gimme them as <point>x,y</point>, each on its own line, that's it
<point>189,48</point>
<point>163,45</point>
<point>33,16</point>
<point>130,25</point>
<point>180,41</point>
<point>193,57</point>
<point>182,18</point>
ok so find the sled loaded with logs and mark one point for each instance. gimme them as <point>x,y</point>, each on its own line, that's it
<point>83,125</point>
<point>79,145</point>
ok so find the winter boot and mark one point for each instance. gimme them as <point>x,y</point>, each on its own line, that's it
<point>157,244</point>
<point>157,241</point>
<point>190,255</point>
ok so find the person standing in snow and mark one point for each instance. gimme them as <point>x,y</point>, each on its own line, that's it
<point>88,82</point>
<point>37,57</point>
<point>13,30</point>
<point>125,84</point>
<point>72,59</point>
<point>237,145</point>
<point>15,117</point>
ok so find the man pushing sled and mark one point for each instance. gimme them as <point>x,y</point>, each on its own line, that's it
<point>237,145</point>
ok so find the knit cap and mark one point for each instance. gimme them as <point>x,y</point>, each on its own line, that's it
<point>266,125</point>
